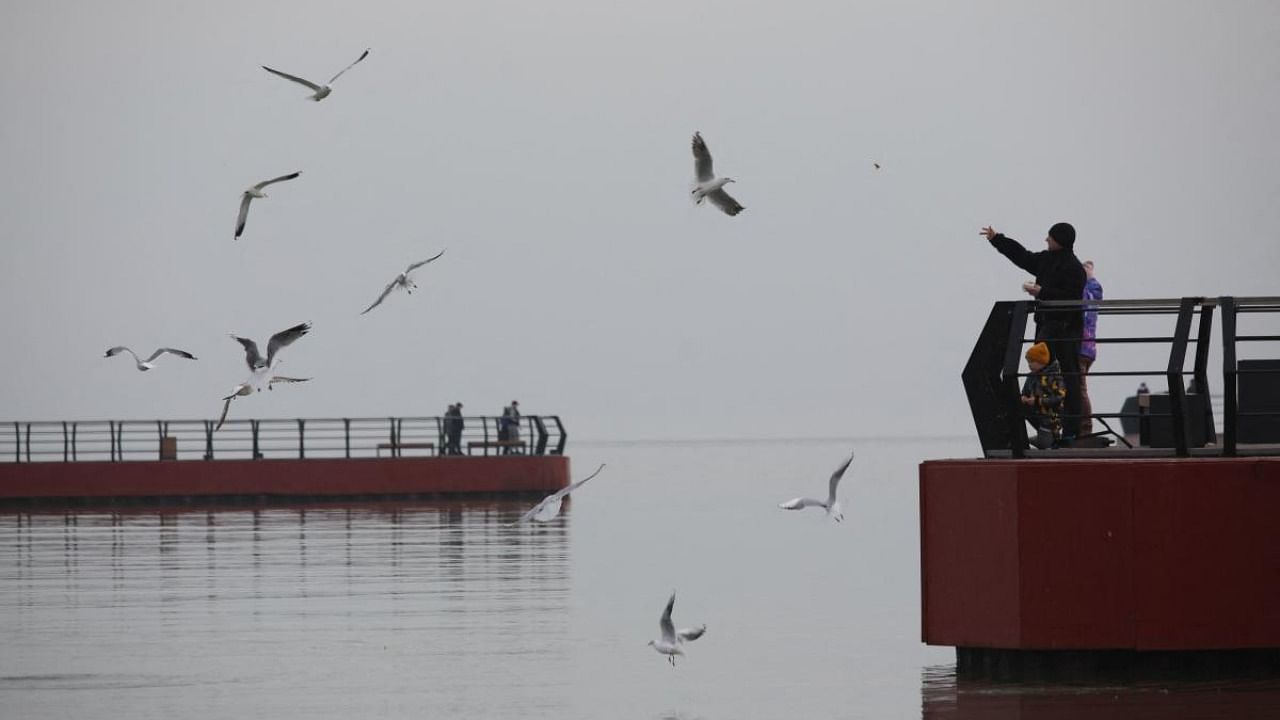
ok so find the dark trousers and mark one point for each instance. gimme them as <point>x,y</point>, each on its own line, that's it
<point>1067,353</point>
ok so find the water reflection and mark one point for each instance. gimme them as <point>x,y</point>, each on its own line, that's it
<point>315,607</point>
<point>942,696</point>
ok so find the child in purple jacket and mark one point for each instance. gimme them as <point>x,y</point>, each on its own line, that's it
<point>1088,347</point>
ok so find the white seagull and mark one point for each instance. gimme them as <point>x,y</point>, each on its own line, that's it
<point>706,185</point>
<point>262,370</point>
<point>671,640</point>
<point>403,280</point>
<point>145,365</point>
<point>549,508</point>
<point>321,91</point>
<point>831,504</point>
<point>256,192</point>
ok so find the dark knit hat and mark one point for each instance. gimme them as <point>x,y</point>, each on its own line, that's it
<point>1063,234</point>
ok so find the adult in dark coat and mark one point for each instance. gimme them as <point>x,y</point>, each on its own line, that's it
<point>458,425</point>
<point>1059,276</point>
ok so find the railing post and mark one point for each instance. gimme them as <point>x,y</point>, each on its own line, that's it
<point>120,439</point>
<point>208,439</point>
<point>302,426</point>
<point>66,443</point>
<point>28,442</point>
<point>541,447</point>
<point>346,435</point>
<point>564,436</point>
<point>1173,375</point>
<point>1200,371</point>
<point>1009,378</point>
<point>441,440</point>
<point>392,433</point>
<point>111,435</point>
<point>17,442</point>
<point>253,429</point>
<point>74,427</point>
<point>1230,407</point>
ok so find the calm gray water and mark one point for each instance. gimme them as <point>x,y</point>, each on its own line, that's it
<point>438,610</point>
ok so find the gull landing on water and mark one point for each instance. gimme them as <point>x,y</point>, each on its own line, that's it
<point>706,185</point>
<point>256,192</point>
<point>671,640</point>
<point>403,280</point>
<point>549,508</point>
<point>145,365</point>
<point>262,370</point>
<point>320,91</point>
<point>831,504</point>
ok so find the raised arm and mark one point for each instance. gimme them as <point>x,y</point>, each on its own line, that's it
<point>1013,250</point>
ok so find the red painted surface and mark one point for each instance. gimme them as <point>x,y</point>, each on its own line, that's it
<point>285,478</point>
<point>1104,554</point>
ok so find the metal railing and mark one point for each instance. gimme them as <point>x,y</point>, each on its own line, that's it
<point>992,375</point>
<point>121,440</point>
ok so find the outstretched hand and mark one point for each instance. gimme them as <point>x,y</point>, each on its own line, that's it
<point>988,232</point>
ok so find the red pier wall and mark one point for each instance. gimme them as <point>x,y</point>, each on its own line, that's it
<point>285,478</point>
<point>1139,554</point>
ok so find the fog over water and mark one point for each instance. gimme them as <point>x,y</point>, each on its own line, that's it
<point>546,147</point>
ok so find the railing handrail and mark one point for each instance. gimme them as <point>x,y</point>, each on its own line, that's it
<point>992,374</point>
<point>114,440</point>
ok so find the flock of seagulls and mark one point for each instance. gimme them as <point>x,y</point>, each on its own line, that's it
<point>670,640</point>
<point>263,370</point>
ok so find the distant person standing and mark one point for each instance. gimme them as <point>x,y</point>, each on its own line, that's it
<point>511,422</point>
<point>1088,346</point>
<point>455,438</point>
<point>1058,276</point>
<point>446,430</point>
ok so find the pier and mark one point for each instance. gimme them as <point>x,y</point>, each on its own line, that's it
<point>1130,560</point>
<point>187,461</point>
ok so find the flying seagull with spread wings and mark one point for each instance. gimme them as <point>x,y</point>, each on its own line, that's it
<point>145,365</point>
<point>671,640</point>
<point>256,192</point>
<point>549,508</point>
<point>262,370</point>
<point>320,91</point>
<point>403,280</point>
<point>706,185</point>
<point>831,504</point>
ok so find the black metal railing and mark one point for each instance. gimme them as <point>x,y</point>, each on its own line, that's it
<point>1183,412</point>
<point>121,440</point>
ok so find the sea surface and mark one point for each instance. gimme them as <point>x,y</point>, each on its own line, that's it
<point>434,610</point>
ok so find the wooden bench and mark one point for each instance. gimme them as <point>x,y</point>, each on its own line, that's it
<point>396,447</point>
<point>520,444</point>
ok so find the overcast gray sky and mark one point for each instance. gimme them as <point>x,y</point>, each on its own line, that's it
<point>546,145</point>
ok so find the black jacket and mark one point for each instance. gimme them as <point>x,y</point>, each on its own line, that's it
<point>1060,277</point>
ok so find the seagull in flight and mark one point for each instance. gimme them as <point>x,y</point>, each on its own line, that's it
<point>706,185</point>
<point>403,280</point>
<point>145,365</point>
<point>321,91</point>
<point>831,504</point>
<point>549,508</point>
<point>671,640</point>
<point>256,192</point>
<point>262,371</point>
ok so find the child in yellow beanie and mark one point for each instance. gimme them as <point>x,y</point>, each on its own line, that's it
<point>1042,396</point>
